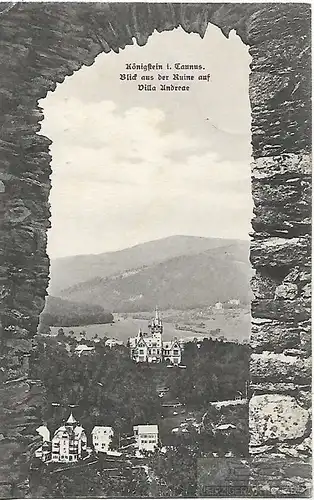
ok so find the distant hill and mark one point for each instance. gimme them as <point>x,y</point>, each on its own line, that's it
<point>186,281</point>
<point>60,312</point>
<point>68,271</point>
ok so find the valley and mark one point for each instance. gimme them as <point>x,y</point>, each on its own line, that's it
<point>232,325</point>
<point>201,285</point>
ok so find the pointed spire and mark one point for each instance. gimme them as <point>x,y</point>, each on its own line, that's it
<point>71,420</point>
<point>157,317</point>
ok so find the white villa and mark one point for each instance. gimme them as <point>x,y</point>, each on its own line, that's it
<point>151,348</point>
<point>101,438</point>
<point>69,442</point>
<point>146,437</point>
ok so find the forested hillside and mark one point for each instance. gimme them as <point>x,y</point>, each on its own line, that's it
<point>60,312</point>
<point>183,282</point>
<point>68,271</point>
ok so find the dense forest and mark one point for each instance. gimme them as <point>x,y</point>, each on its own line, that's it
<point>215,370</point>
<point>106,385</point>
<point>61,312</point>
<point>110,388</point>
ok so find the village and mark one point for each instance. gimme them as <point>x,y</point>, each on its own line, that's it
<point>70,442</point>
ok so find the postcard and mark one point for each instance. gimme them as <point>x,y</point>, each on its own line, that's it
<point>156,250</point>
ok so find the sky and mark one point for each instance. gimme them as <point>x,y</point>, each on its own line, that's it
<point>131,166</point>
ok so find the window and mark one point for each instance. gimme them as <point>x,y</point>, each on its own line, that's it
<point>141,351</point>
<point>176,352</point>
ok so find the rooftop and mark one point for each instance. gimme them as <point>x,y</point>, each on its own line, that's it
<point>71,419</point>
<point>98,428</point>
<point>146,428</point>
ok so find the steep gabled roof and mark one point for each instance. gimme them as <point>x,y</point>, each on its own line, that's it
<point>141,343</point>
<point>71,419</point>
<point>170,344</point>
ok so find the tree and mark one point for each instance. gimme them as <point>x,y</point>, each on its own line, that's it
<point>44,329</point>
<point>175,472</point>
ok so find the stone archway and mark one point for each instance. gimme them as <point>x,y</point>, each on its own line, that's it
<point>53,41</point>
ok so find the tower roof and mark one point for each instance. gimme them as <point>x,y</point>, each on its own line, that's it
<point>71,419</point>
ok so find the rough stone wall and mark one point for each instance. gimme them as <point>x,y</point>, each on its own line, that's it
<point>280,366</point>
<point>41,44</point>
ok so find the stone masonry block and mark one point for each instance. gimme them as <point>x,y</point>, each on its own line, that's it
<point>272,367</point>
<point>280,252</point>
<point>283,166</point>
<point>275,417</point>
<point>274,336</point>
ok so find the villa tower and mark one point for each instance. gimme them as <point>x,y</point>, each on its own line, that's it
<point>151,348</point>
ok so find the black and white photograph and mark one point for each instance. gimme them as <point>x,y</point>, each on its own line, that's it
<point>156,277</point>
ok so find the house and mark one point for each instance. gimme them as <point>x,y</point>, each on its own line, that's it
<point>151,348</point>
<point>112,342</point>
<point>234,302</point>
<point>69,442</point>
<point>218,305</point>
<point>172,352</point>
<point>83,349</point>
<point>225,427</point>
<point>101,438</point>
<point>146,437</point>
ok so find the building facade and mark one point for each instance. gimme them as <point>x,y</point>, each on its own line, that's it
<point>101,438</point>
<point>146,437</point>
<point>44,452</point>
<point>69,442</point>
<point>149,347</point>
